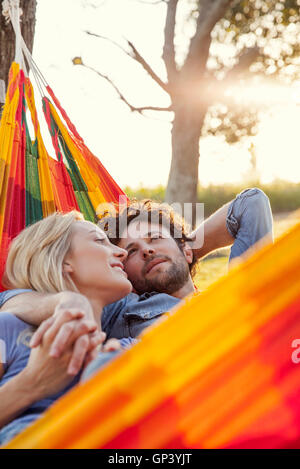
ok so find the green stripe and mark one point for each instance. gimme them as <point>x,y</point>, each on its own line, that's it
<point>33,205</point>
<point>79,186</point>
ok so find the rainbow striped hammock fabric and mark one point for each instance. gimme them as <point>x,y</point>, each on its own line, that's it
<point>32,183</point>
<point>220,371</point>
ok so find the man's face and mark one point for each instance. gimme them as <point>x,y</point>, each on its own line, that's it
<point>155,261</point>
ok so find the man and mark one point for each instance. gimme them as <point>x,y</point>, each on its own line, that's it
<point>161,256</point>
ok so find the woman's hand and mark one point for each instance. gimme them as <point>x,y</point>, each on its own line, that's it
<point>74,324</point>
<point>43,376</point>
<point>48,375</point>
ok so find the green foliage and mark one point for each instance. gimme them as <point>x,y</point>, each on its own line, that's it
<point>233,122</point>
<point>156,193</point>
<point>213,267</point>
<point>284,197</point>
<point>272,27</point>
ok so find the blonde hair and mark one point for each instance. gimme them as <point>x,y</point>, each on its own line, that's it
<point>36,255</point>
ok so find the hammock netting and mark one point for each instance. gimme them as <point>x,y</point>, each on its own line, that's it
<point>217,372</point>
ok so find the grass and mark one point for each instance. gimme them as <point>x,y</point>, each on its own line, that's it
<point>284,196</point>
<point>212,268</point>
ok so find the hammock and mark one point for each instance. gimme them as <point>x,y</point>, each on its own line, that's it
<point>230,380</point>
<point>32,183</point>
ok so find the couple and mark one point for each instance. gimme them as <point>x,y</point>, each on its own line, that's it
<point>79,283</point>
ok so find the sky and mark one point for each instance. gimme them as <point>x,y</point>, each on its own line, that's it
<point>136,150</point>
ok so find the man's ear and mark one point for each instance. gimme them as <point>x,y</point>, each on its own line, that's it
<point>188,253</point>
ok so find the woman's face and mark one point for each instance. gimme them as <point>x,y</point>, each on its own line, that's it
<point>95,265</point>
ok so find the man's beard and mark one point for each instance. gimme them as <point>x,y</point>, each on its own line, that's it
<point>169,281</point>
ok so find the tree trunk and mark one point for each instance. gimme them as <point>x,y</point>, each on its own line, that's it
<point>183,178</point>
<point>7,36</point>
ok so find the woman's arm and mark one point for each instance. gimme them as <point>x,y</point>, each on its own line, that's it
<point>15,396</point>
<point>33,308</point>
<point>43,376</point>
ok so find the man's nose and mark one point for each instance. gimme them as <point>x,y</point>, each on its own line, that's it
<point>147,251</point>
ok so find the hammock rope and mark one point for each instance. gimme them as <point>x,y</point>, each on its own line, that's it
<point>12,12</point>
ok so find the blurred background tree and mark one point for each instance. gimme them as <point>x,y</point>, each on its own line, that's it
<point>210,47</point>
<point>7,38</point>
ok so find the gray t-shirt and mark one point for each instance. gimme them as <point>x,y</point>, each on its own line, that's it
<point>15,336</point>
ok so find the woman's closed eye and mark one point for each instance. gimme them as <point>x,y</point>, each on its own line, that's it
<point>101,240</point>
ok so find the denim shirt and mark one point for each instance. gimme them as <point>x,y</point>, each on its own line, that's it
<point>131,315</point>
<point>127,317</point>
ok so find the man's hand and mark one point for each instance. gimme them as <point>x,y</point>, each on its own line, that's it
<point>72,323</point>
<point>111,345</point>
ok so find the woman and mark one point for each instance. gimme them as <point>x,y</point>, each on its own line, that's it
<point>59,253</point>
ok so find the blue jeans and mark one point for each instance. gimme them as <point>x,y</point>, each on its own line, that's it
<point>249,219</point>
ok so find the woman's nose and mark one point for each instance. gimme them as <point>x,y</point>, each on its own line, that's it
<point>120,253</point>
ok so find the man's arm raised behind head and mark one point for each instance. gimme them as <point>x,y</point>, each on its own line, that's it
<point>212,234</point>
<point>244,221</point>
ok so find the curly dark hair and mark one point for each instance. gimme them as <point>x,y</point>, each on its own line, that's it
<point>152,212</point>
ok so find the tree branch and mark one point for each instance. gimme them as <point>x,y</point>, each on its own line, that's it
<point>246,59</point>
<point>169,49</point>
<point>138,58</point>
<point>111,41</point>
<point>78,61</point>
<point>210,12</point>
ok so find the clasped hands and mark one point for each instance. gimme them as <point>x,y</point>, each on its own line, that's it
<point>72,329</point>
